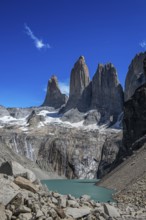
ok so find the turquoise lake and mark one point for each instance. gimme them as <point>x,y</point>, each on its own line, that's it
<point>78,188</point>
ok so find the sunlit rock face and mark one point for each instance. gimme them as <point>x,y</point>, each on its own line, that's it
<point>79,80</point>
<point>135,76</point>
<point>107,92</point>
<point>54,97</point>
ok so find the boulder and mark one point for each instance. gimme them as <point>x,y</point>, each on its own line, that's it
<point>8,190</point>
<point>135,76</point>
<point>60,212</point>
<point>54,97</point>
<point>26,184</point>
<point>73,203</point>
<point>77,212</point>
<point>2,212</point>
<point>107,93</point>
<point>111,211</point>
<point>12,168</point>
<point>25,216</point>
<point>8,214</point>
<point>62,201</point>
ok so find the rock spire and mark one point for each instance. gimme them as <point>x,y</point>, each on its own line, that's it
<point>107,92</point>
<point>79,80</point>
<point>135,76</point>
<point>54,97</point>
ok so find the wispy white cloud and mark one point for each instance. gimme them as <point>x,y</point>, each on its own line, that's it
<point>38,42</point>
<point>64,87</point>
<point>143,44</point>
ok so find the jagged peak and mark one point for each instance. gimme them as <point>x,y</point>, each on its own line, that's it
<point>54,97</point>
<point>102,67</point>
<point>80,61</point>
<point>53,79</point>
<point>82,58</point>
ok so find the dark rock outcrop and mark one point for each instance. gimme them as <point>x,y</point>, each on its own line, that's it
<point>144,66</point>
<point>34,119</point>
<point>135,76</point>
<point>110,153</point>
<point>79,80</point>
<point>92,117</point>
<point>54,97</point>
<point>107,93</point>
<point>73,116</point>
<point>134,122</point>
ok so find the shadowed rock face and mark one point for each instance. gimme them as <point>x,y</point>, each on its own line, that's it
<point>144,66</point>
<point>86,98</point>
<point>107,92</point>
<point>135,76</point>
<point>134,122</point>
<point>79,80</point>
<point>54,97</point>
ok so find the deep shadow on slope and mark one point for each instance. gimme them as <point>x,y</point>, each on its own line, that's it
<point>127,172</point>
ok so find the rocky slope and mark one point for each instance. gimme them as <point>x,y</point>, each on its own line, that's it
<point>54,97</point>
<point>130,181</point>
<point>127,172</point>
<point>135,76</point>
<point>28,200</point>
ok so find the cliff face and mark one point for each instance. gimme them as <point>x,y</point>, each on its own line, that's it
<point>79,80</point>
<point>107,92</point>
<point>61,147</point>
<point>135,76</point>
<point>134,121</point>
<point>54,97</point>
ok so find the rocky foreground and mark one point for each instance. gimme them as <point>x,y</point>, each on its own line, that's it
<point>22,197</point>
<point>26,201</point>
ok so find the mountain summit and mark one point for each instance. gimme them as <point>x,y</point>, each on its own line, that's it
<point>79,80</point>
<point>54,97</point>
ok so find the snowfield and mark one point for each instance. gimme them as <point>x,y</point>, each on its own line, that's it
<point>54,118</point>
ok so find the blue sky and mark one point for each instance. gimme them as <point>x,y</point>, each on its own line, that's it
<point>44,37</point>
